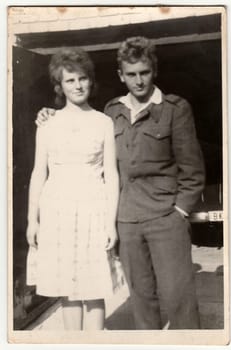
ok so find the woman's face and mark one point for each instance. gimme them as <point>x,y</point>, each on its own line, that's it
<point>76,86</point>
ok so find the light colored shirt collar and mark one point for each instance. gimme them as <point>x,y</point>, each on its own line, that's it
<point>155,98</point>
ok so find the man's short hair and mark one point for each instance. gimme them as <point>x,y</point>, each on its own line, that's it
<point>135,49</point>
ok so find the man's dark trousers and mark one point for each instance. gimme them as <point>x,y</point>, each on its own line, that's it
<point>156,256</point>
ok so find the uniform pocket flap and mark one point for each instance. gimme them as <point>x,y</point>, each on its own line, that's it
<point>158,133</point>
<point>118,130</point>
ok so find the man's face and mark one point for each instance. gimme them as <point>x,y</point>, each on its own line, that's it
<point>138,77</point>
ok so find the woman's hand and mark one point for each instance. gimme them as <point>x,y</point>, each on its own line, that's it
<point>43,115</point>
<point>112,238</point>
<point>31,234</point>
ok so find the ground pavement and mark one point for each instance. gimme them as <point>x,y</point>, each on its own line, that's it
<point>208,265</point>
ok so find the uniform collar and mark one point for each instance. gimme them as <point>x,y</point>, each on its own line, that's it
<point>155,98</point>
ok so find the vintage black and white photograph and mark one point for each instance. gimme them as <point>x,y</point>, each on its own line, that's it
<point>117,130</point>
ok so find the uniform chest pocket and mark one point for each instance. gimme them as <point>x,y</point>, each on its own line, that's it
<point>120,142</point>
<point>158,133</point>
<point>118,131</point>
<point>156,143</point>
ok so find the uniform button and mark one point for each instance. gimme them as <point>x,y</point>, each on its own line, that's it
<point>158,135</point>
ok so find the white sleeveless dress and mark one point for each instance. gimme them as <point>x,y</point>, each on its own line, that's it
<point>71,259</point>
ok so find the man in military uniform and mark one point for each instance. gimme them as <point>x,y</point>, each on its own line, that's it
<point>161,179</point>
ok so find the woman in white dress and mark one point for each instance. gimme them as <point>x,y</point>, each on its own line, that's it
<point>73,198</point>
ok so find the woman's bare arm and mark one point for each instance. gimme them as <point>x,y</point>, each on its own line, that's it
<point>38,177</point>
<point>112,183</point>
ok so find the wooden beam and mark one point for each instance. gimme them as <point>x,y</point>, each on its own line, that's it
<point>117,33</point>
<point>161,41</point>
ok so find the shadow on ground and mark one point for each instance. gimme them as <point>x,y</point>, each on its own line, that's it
<point>209,286</point>
<point>122,318</point>
<point>210,293</point>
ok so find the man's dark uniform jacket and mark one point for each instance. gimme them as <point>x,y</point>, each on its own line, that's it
<point>159,159</point>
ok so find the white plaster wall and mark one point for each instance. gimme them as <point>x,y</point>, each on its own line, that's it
<point>45,19</point>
